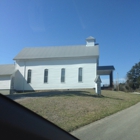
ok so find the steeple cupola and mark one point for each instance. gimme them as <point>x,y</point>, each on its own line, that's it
<point>90,41</point>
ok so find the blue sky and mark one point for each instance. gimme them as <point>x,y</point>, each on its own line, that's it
<point>32,23</point>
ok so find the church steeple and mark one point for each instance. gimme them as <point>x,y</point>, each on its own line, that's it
<point>90,41</point>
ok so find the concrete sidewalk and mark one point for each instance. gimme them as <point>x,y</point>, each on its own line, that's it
<point>124,125</point>
<point>135,92</point>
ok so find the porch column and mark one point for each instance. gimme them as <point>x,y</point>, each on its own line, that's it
<point>111,79</point>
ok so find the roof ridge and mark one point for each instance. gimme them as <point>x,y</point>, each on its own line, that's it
<point>54,46</point>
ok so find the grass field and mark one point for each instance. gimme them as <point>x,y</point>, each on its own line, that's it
<point>73,109</point>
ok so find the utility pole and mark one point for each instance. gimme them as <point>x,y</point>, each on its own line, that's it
<point>118,80</point>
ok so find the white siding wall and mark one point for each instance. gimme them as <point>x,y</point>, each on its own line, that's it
<point>5,82</point>
<point>54,74</point>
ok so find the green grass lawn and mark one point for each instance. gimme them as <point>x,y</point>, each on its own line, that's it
<point>73,109</point>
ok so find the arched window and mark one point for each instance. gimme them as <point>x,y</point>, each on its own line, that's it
<point>46,76</point>
<point>62,75</point>
<point>80,74</point>
<point>29,76</point>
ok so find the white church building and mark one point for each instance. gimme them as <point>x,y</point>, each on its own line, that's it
<point>52,68</point>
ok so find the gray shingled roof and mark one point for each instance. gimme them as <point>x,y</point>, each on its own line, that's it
<point>58,52</point>
<point>7,69</point>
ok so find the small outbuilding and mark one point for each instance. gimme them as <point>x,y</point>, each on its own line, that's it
<point>6,74</point>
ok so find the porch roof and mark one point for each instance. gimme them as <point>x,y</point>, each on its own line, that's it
<point>105,70</point>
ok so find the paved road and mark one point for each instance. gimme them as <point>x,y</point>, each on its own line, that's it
<point>124,125</point>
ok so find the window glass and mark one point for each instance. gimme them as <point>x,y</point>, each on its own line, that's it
<point>80,75</point>
<point>63,75</point>
<point>45,75</point>
<point>29,76</point>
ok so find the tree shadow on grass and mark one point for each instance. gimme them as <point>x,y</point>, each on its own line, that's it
<point>57,93</point>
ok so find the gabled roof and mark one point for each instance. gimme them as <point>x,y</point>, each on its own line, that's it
<point>7,69</point>
<point>58,52</point>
